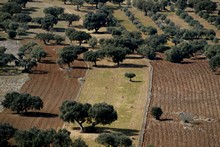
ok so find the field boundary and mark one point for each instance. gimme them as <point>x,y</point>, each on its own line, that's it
<point>146,109</point>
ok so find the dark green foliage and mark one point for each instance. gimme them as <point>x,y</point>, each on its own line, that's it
<point>6,132</point>
<point>28,64</point>
<point>21,2</point>
<point>67,55</point>
<point>147,51</point>
<point>212,50</point>
<point>48,22</point>
<point>102,113</point>
<point>70,18</point>
<point>5,16</point>
<point>72,111</point>
<point>11,34</point>
<point>38,52</point>
<point>54,11</point>
<point>181,4</point>
<point>92,42</point>
<point>156,112</point>
<point>21,17</point>
<point>114,139</point>
<point>94,21</point>
<point>4,57</point>
<point>174,55</point>
<point>214,62</point>
<point>130,75</point>
<point>11,8</point>
<point>78,3</point>
<point>207,5</point>
<point>79,36</point>
<point>22,102</point>
<point>39,138</point>
<point>91,56</point>
<point>58,39</point>
<point>46,37</point>
<point>79,143</point>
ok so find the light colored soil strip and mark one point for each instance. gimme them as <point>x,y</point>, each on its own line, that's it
<point>145,20</point>
<point>178,21</point>
<point>205,23</point>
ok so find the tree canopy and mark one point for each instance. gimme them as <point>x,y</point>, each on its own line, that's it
<point>7,131</point>
<point>22,102</point>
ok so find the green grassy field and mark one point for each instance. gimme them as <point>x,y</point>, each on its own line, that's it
<point>128,98</point>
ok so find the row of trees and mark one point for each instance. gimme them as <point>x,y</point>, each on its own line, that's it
<point>212,52</point>
<point>147,30</point>
<point>36,137</point>
<point>214,20</point>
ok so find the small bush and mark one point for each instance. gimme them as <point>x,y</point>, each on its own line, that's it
<point>156,112</point>
<point>12,34</point>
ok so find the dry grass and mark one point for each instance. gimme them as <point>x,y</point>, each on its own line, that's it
<point>123,19</point>
<point>205,23</point>
<point>178,21</point>
<point>129,98</point>
<point>145,20</point>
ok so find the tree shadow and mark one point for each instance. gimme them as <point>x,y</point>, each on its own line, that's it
<point>48,62</point>
<point>79,26</point>
<point>39,72</point>
<point>136,81</point>
<point>34,26</point>
<point>134,57</point>
<point>39,114</point>
<point>29,10</point>
<point>59,29</point>
<point>186,62</point>
<point>166,119</point>
<point>122,65</point>
<point>128,132</point>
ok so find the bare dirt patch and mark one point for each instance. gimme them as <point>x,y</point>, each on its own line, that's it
<point>192,88</point>
<point>54,86</point>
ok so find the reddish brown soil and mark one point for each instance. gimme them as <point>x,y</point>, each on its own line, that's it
<point>191,88</point>
<point>53,85</point>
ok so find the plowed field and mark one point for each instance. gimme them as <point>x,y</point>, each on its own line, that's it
<point>190,88</point>
<point>53,85</point>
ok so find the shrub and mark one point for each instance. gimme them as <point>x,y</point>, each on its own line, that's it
<point>156,112</point>
<point>12,34</point>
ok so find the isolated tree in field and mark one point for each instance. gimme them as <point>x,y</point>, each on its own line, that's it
<point>93,42</point>
<point>38,53</point>
<point>214,62</point>
<point>94,21</point>
<point>156,112</point>
<point>67,55</point>
<point>28,64</point>
<point>79,143</point>
<point>72,111</point>
<point>130,75</point>
<point>102,113</point>
<point>22,18</point>
<point>7,131</point>
<point>114,140</point>
<point>22,102</point>
<point>55,11</point>
<point>11,7</point>
<point>70,18</point>
<point>46,37</point>
<point>79,36</point>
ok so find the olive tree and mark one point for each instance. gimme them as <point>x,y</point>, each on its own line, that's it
<point>130,75</point>
<point>156,112</point>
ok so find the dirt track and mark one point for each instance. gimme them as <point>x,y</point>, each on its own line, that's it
<point>53,86</point>
<point>191,88</point>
